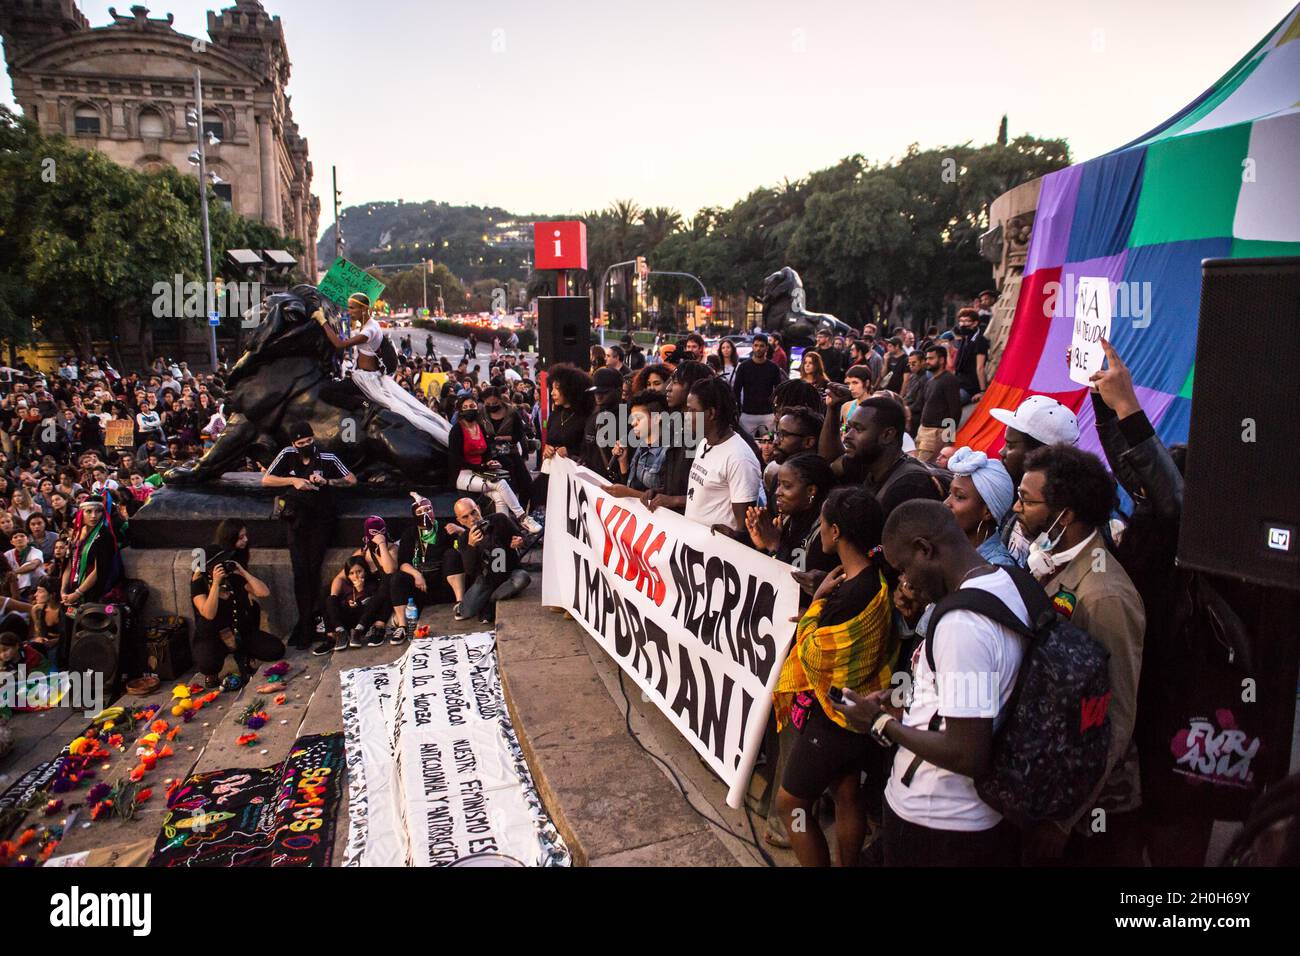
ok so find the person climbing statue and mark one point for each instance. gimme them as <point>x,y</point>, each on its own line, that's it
<point>378,387</point>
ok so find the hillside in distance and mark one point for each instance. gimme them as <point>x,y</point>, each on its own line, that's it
<point>474,242</point>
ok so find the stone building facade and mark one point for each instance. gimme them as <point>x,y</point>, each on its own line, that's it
<point>124,88</point>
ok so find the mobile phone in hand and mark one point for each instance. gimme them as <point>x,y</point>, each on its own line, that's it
<point>835,694</point>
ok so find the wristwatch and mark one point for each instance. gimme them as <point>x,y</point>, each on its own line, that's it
<point>877,731</point>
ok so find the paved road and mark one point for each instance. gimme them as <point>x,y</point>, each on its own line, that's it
<point>450,346</point>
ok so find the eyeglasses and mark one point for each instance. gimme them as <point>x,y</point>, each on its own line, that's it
<point>782,433</point>
<point>1027,501</point>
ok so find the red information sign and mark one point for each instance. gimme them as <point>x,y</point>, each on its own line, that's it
<point>560,245</point>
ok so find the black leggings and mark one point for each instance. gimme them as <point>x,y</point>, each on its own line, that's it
<point>401,587</point>
<point>210,652</point>
<point>340,614</point>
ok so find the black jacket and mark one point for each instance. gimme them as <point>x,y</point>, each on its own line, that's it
<point>456,448</point>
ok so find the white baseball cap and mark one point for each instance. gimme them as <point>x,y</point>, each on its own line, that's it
<point>1043,419</point>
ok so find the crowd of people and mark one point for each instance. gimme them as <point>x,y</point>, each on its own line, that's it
<point>846,470</point>
<point>843,467</point>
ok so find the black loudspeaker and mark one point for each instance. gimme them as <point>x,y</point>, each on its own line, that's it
<point>1241,512</point>
<point>564,329</point>
<point>97,642</point>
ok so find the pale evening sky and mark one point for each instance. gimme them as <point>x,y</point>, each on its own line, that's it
<point>563,107</point>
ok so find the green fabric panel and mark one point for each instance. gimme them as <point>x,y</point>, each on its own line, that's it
<point>1190,186</point>
<point>1186,390</point>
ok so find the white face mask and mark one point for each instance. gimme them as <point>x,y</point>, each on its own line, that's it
<point>1040,560</point>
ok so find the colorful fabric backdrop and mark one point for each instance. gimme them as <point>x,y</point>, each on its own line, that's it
<point>1217,180</point>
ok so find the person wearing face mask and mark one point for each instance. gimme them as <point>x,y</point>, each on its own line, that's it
<point>1037,421</point>
<point>419,564</point>
<point>972,355</point>
<point>1064,502</point>
<point>308,477</point>
<point>469,457</point>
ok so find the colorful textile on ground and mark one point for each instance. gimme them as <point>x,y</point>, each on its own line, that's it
<point>1218,180</point>
<point>277,816</point>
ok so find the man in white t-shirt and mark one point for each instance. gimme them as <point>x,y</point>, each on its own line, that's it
<point>725,475</point>
<point>933,815</point>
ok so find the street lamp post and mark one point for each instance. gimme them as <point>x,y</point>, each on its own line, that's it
<point>203,208</point>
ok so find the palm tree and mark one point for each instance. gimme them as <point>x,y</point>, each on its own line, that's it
<point>660,223</point>
<point>624,215</point>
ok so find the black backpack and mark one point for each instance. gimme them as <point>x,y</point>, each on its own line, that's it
<point>388,356</point>
<point>1049,754</point>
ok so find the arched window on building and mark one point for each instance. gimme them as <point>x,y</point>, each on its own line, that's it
<point>212,123</point>
<point>86,121</point>
<point>151,124</point>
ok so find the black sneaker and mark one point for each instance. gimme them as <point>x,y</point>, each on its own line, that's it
<point>376,635</point>
<point>458,612</point>
<point>325,647</point>
<point>340,639</point>
<point>300,642</point>
<point>320,625</point>
<point>399,635</point>
<point>358,638</point>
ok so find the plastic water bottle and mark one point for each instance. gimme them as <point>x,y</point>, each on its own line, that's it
<point>412,613</point>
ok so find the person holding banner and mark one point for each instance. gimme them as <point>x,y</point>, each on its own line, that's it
<point>803,482</point>
<point>379,388</point>
<point>725,478</point>
<point>844,640</point>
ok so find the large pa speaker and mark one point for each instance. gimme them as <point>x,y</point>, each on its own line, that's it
<point>564,329</point>
<point>1241,512</point>
<point>97,642</point>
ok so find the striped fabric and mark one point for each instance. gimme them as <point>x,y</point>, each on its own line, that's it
<point>857,654</point>
<point>1217,180</point>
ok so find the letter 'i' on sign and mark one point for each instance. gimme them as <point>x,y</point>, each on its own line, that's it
<point>558,250</point>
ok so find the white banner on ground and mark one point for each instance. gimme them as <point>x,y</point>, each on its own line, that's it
<point>700,622</point>
<point>435,773</point>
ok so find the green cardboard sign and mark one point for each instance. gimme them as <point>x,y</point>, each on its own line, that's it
<point>344,278</point>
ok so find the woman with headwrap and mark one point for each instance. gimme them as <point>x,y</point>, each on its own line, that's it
<point>980,497</point>
<point>227,619</point>
<point>378,388</point>
<point>94,570</point>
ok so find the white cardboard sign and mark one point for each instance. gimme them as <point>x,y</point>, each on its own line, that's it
<point>1091,325</point>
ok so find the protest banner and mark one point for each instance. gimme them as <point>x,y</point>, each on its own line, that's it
<point>700,622</point>
<point>119,433</point>
<point>1092,315</point>
<point>436,774</point>
<point>274,816</point>
<point>344,278</point>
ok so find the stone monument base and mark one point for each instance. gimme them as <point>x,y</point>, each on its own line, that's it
<point>186,516</point>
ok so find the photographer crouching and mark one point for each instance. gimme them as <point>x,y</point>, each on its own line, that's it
<point>482,565</point>
<point>227,619</point>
